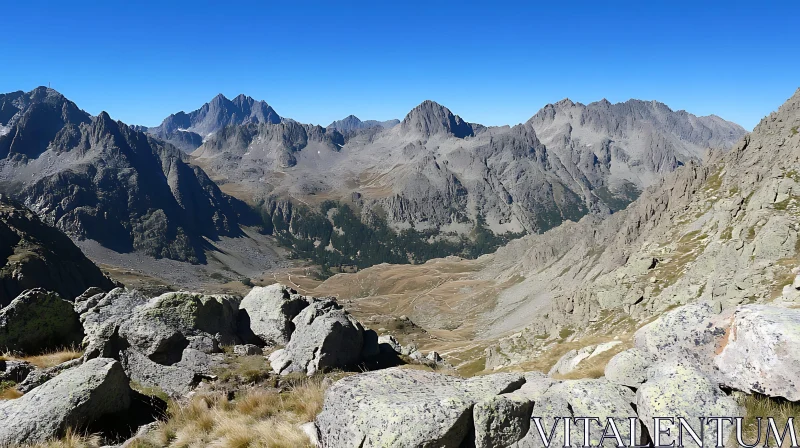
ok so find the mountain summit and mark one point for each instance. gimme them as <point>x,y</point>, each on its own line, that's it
<point>431,118</point>
<point>188,130</point>
<point>96,178</point>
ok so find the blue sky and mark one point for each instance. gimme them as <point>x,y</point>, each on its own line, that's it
<point>492,62</point>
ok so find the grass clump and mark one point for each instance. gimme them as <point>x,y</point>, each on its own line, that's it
<point>762,406</point>
<point>794,131</point>
<point>245,369</point>
<point>255,418</point>
<point>47,359</point>
<point>8,390</point>
<point>71,439</point>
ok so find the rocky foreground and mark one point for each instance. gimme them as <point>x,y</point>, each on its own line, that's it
<point>693,361</point>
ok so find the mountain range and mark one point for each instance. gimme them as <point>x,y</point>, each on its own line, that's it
<point>100,179</point>
<point>134,189</point>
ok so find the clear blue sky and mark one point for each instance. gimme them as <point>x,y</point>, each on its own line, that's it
<point>492,62</point>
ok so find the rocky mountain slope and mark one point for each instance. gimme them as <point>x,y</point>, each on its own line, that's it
<point>436,171</point>
<point>36,255</point>
<point>187,131</point>
<point>722,231</point>
<point>99,179</point>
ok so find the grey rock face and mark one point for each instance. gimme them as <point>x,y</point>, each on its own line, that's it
<point>270,311</point>
<point>15,371</point>
<point>40,256</point>
<point>682,390</point>
<point>110,183</point>
<point>690,334</point>
<point>402,407</point>
<point>760,354</point>
<point>581,398</point>
<point>505,419</point>
<point>325,336</point>
<point>166,342</point>
<point>629,368</point>
<point>39,320</point>
<point>73,399</point>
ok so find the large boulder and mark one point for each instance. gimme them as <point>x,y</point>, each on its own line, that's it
<point>38,320</point>
<point>683,390</point>
<point>268,312</point>
<point>169,342</point>
<point>691,334</point>
<point>325,337</point>
<point>399,407</point>
<point>762,351</point>
<point>503,420</point>
<point>73,399</point>
<point>581,398</point>
<point>102,314</point>
<point>629,368</point>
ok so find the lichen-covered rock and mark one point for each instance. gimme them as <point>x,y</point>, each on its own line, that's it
<point>762,352</point>
<point>174,380</point>
<point>268,312</point>
<point>629,368</point>
<point>37,377</point>
<point>325,336</point>
<point>581,398</point>
<point>167,342</point>
<point>38,320</point>
<point>403,407</point>
<point>690,334</point>
<point>683,390</point>
<point>71,400</point>
<point>504,419</point>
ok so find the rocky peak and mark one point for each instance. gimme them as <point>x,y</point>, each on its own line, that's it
<point>431,118</point>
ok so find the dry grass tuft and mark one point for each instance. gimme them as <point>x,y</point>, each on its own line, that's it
<point>71,439</point>
<point>257,417</point>
<point>763,406</point>
<point>48,359</point>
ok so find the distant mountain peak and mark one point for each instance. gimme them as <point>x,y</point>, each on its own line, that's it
<point>431,118</point>
<point>187,130</point>
<point>352,123</point>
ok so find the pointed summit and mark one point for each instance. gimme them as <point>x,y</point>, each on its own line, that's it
<point>431,118</point>
<point>187,130</point>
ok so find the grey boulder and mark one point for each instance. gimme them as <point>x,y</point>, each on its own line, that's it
<point>629,368</point>
<point>38,320</point>
<point>581,398</point>
<point>761,352</point>
<point>269,310</point>
<point>73,399</point>
<point>683,390</point>
<point>399,407</point>
<point>325,337</point>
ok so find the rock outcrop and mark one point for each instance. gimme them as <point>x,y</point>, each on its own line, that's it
<point>269,311</point>
<point>38,321</point>
<point>325,337</point>
<point>170,342</point>
<point>37,255</point>
<point>73,399</point>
